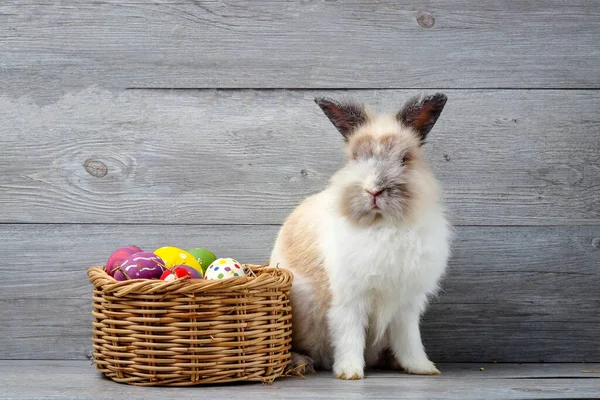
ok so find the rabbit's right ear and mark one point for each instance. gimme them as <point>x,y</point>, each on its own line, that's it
<point>345,116</point>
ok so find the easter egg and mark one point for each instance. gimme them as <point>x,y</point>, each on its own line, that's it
<point>192,272</point>
<point>168,276</point>
<point>142,265</point>
<point>119,256</point>
<point>173,256</point>
<point>180,271</point>
<point>203,256</point>
<point>224,268</point>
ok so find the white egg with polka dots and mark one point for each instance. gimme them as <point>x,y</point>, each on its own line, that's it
<point>223,268</point>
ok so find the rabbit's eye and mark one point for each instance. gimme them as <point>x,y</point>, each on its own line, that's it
<point>406,158</point>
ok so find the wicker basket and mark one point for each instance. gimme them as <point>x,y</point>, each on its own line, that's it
<point>183,333</point>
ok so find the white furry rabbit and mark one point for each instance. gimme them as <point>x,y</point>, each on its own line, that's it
<point>369,250</point>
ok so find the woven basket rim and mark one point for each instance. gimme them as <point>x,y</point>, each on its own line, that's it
<point>265,275</point>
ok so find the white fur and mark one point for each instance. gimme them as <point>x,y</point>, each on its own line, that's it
<point>380,279</point>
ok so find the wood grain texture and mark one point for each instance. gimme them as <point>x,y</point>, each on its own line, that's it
<point>249,157</point>
<point>60,45</point>
<point>512,294</point>
<point>87,166</point>
<point>78,380</point>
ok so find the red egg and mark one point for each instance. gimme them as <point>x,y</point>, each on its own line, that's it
<point>192,272</point>
<point>143,265</point>
<point>180,271</point>
<point>167,276</point>
<point>117,258</point>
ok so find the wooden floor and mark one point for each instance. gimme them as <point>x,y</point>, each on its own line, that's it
<point>79,380</point>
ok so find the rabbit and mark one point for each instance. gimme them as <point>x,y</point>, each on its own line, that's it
<point>368,251</point>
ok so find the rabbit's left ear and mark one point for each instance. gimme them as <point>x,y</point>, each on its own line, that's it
<point>421,112</point>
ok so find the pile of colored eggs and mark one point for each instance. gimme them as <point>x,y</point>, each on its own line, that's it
<point>170,263</point>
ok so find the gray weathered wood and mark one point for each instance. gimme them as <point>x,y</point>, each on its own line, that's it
<point>504,157</point>
<point>57,45</point>
<point>512,293</point>
<point>61,329</point>
<point>87,166</point>
<point>78,380</point>
<point>51,260</point>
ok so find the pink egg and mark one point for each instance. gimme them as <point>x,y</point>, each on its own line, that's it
<point>143,265</point>
<point>119,256</point>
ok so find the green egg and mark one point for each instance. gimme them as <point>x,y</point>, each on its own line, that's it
<point>204,257</point>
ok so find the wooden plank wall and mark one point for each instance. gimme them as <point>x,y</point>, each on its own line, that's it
<point>192,123</point>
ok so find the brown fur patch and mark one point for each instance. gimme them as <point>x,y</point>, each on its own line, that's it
<point>299,248</point>
<point>389,143</point>
<point>362,147</point>
<point>391,146</point>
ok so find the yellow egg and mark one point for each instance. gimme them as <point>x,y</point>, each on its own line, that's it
<point>173,256</point>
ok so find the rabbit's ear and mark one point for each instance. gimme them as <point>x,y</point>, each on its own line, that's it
<point>345,116</point>
<point>421,112</point>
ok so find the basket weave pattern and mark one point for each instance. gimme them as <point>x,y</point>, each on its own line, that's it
<point>182,333</point>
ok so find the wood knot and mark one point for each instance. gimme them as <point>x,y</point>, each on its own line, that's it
<point>596,243</point>
<point>425,19</point>
<point>303,173</point>
<point>95,168</point>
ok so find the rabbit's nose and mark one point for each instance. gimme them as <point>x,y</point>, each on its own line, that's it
<point>374,192</point>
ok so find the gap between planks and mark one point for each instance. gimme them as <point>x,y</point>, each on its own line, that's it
<point>265,224</point>
<point>311,89</point>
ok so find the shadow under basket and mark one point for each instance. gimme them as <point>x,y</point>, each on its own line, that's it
<point>183,333</point>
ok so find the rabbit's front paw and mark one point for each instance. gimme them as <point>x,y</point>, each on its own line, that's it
<point>348,370</point>
<point>420,367</point>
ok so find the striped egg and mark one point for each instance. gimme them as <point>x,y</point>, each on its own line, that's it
<point>143,265</point>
